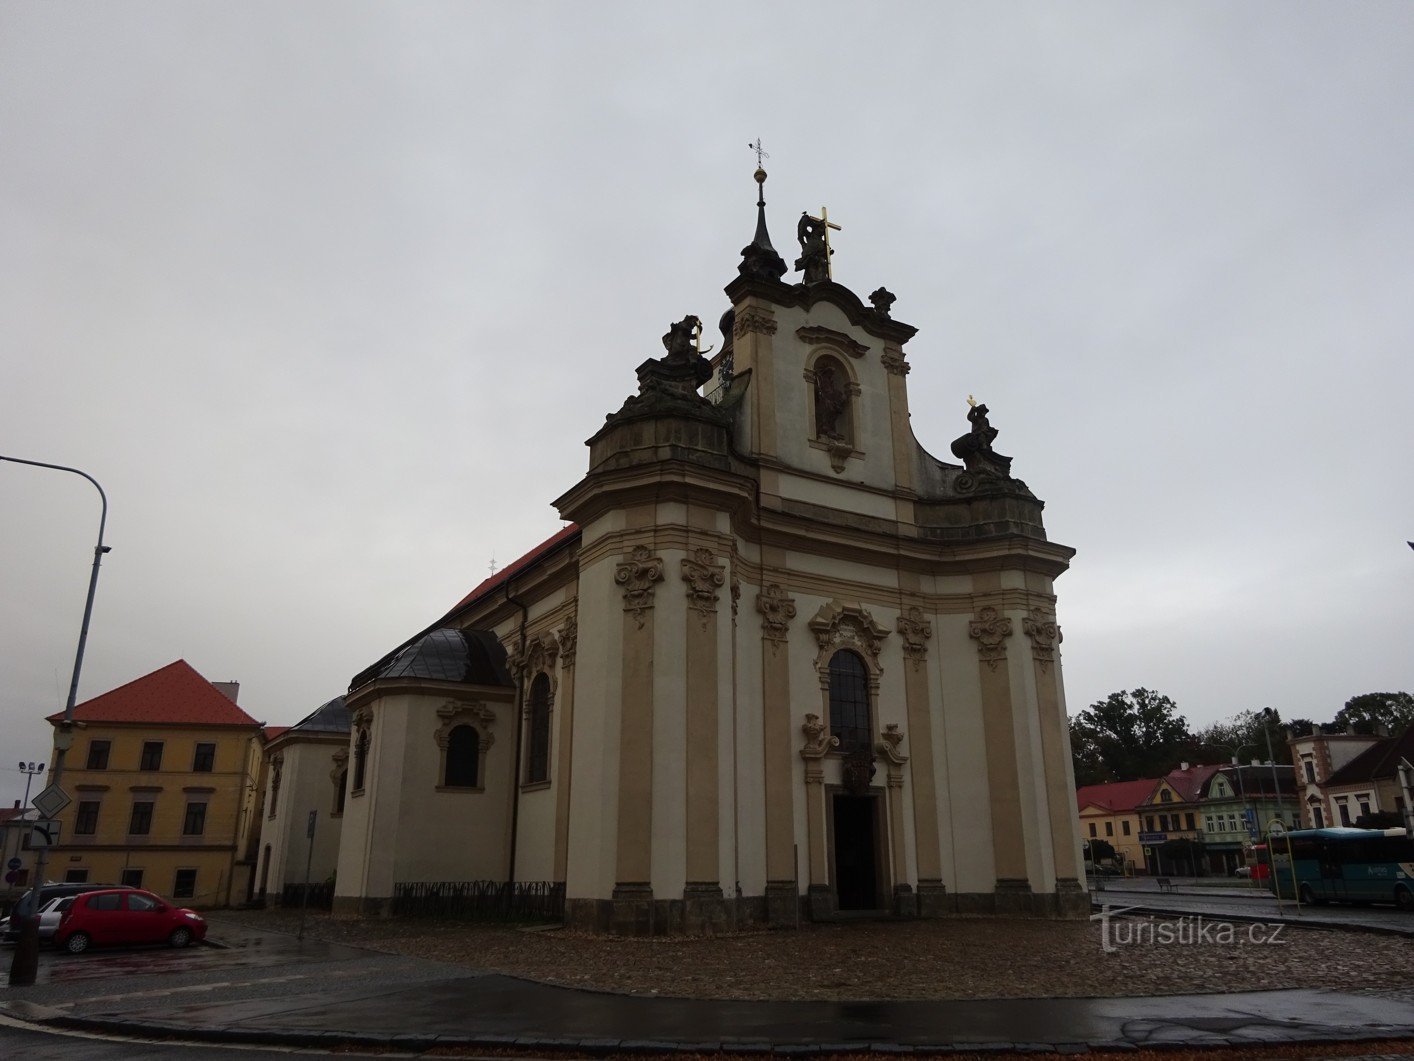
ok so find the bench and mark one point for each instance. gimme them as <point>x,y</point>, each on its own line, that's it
<point>1165,885</point>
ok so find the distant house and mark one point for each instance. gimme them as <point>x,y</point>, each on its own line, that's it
<point>1238,804</point>
<point>1369,783</point>
<point>1318,757</point>
<point>163,773</point>
<point>1110,812</point>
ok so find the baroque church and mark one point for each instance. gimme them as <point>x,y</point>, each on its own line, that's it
<point>782,665</point>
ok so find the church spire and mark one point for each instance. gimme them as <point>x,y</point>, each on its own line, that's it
<point>758,258</point>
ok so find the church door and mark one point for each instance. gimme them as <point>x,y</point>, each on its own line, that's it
<point>856,852</point>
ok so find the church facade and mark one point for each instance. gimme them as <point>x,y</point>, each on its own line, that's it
<point>783,664</point>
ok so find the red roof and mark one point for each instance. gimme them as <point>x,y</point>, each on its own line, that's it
<point>1189,783</point>
<point>271,732</point>
<point>173,696</point>
<point>1117,796</point>
<point>516,567</point>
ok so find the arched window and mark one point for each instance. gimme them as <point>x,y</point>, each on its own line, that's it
<point>360,759</point>
<point>849,700</point>
<point>463,751</point>
<point>831,393</point>
<point>341,790</point>
<point>537,747</point>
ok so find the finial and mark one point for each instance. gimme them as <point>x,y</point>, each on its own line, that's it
<point>759,258</point>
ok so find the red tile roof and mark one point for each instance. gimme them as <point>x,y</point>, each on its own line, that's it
<point>1117,796</point>
<point>271,732</point>
<point>1189,783</point>
<point>500,578</point>
<point>173,696</point>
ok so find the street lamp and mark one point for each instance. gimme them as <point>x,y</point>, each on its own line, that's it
<point>25,963</point>
<point>1268,715</point>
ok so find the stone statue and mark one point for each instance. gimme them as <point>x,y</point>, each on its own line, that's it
<point>831,400</point>
<point>680,340</point>
<point>975,450</point>
<point>814,258</point>
<point>883,300</point>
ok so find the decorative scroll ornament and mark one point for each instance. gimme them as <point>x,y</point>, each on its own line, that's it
<point>1044,634</point>
<point>916,631</point>
<point>894,363</point>
<point>990,631</point>
<point>836,625</point>
<point>888,746</point>
<point>817,744</point>
<point>456,713</point>
<point>541,653</point>
<point>777,610</point>
<point>569,639</point>
<point>754,321</point>
<point>703,576</point>
<point>637,576</point>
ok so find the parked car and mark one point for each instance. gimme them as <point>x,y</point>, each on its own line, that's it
<point>48,894</point>
<point>126,915</point>
<point>1242,871</point>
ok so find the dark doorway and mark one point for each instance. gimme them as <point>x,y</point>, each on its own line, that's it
<point>856,875</point>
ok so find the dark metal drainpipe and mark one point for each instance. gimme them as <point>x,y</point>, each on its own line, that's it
<point>515,765</point>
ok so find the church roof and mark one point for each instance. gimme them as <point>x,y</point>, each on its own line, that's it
<point>515,567</point>
<point>473,657</point>
<point>331,717</point>
<point>175,695</point>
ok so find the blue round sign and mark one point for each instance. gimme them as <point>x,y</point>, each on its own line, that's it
<point>14,863</point>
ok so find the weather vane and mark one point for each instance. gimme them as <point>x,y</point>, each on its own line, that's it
<point>760,152</point>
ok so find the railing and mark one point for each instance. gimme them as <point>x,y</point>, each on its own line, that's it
<point>321,896</point>
<point>481,900</point>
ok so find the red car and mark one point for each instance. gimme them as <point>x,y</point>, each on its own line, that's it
<point>126,915</point>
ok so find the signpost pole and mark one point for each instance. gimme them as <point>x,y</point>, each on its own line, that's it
<point>308,861</point>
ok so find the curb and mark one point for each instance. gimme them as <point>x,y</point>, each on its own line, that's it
<point>247,1036</point>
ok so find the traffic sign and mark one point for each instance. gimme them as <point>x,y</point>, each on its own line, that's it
<point>51,801</point>
<point>44,833</point>
<point>14,863</point>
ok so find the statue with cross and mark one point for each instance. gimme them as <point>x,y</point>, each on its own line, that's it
<point>814,236</point>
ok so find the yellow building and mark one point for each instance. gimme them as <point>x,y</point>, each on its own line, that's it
<point>162,773</point>
<point>1109,812</point>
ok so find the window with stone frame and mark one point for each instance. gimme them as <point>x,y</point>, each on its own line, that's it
<point>1124,826</point>
<point>537,745</point>
<point>140,821</point>
<point>86,819</point>
<point>1109,828</point>
<point>204,759</point>
<point>194,821</point>
<point>463,757</point>
<point>849,700</point>
<point>98,754</point>
<point>184,884</point>
<point>361,742</point>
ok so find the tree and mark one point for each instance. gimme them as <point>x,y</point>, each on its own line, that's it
<point>1365,712</point>
<point>1128,736</point>
<point>1101,851</point>
<point>1244,737</point>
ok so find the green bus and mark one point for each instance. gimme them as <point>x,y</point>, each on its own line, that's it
<point>1344,865</point>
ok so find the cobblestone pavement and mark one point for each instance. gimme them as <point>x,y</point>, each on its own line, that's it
<point>1250,905</point>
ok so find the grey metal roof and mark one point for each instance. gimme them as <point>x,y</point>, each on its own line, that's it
<point>331,717</point>
<point>450,655</point>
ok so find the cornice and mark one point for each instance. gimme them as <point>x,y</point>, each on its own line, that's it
<point>806,296</point>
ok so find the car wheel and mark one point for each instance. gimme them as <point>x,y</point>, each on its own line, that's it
<point>180,937</point>
<point>1404,898</point>
<point>77,943</point>
<point>1308,897</point>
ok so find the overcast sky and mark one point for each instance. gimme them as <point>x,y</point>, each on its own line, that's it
<point>328,297</point>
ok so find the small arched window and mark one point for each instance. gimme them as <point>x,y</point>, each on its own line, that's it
<point>834,421</point>
<point>537,751</point>
<point>849,700</point>
<point>463,751</point>
<point>360,759</point>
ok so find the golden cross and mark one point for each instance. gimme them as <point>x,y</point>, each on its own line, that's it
<point>825,221</point>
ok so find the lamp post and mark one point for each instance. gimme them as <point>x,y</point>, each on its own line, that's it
<point>25,963</point>
<point>29,770</point>
<point>1269,715</point>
